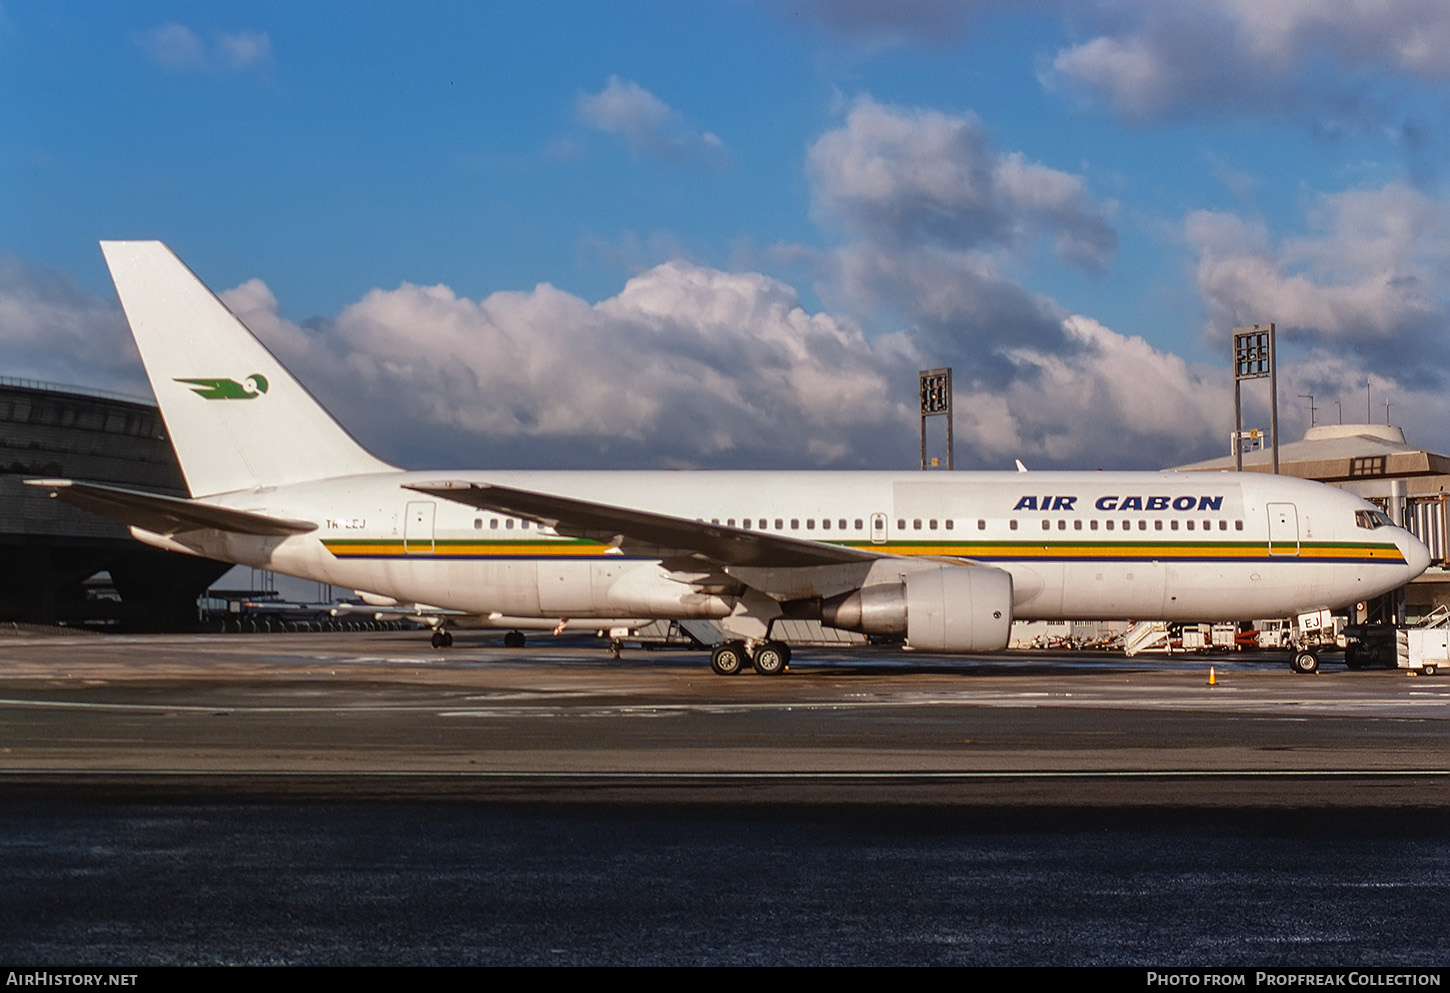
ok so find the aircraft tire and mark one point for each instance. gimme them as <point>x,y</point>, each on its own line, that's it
<point>770,658</point>
<point>1305,662</point>
<point>514,639</point>
<point>436,640</point>
<point>728,659</point>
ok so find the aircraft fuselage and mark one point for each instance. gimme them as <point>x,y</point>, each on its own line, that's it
<point>1171,546</point>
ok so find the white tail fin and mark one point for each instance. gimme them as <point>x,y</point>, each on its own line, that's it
<point>237,418</point>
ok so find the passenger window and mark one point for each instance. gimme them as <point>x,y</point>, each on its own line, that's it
<point>779,524</point>
<point>478,524</point>
<point>508,525</point>
<point>982,525</point>
<point>1173,524</point>
<point>1012,524</point>
<point>1062,525</point>
<point>1047,525</point>
<point>795,523</point>
<point>901,524</point>
<point>1143,525</point>
<point>1077,525</point>
<point>810,523</point>
<point>1189,525</point>
<point>825,524</point>
<point>1108,525</point>
<point>1158,525</point>
<point>1093,526</point>
<point>1238,525</point>
<point>931,524</point>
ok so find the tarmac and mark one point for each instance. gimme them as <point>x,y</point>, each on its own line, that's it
<point>362,799</point>
<point>383,716</point>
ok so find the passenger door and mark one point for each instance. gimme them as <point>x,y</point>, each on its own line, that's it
<point>418,528</point>
<point>1283,529</point>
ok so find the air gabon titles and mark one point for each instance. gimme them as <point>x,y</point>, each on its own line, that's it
<point>1119,503</point>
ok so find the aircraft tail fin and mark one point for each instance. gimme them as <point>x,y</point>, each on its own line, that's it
<point>237,418</point>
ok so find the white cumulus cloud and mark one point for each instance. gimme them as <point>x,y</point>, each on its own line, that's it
<point>645,123</point>
<point>1157,59</point>
<point>912,176</point>
<point>1368,277</point>
<point>178,47</point>
<point>52,329</point>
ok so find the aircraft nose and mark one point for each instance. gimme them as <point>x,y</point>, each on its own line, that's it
<point>1417,555</point>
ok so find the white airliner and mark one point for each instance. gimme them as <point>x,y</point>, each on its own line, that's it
<point>944,561</point>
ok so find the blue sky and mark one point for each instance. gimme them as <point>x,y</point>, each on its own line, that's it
<point>729,233</point>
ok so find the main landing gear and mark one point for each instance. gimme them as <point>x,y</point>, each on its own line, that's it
<point>443,638</point>
<point>769,658</point>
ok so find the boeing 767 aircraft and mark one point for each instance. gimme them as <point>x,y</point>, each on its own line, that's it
<point>945,561</point>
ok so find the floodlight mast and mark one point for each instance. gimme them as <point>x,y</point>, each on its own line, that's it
<point>936,400</point>
<point>1254,359</point>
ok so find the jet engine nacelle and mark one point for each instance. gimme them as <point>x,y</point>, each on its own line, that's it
<point>947,609</point>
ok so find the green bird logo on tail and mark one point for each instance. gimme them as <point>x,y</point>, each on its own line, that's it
<point>228,389</point>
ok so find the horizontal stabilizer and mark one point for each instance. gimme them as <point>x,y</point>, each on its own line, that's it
<point>642,532</point>
<point>165,514</point>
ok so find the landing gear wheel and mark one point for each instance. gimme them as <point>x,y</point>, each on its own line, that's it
<point>437,639</point>
<point>1352,658</point>
<point>770,658</point>
<point>514,639</point>
<point>728,659</point>
<point>1305,662</point>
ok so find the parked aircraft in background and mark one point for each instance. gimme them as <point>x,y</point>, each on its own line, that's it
<point>944,561</point>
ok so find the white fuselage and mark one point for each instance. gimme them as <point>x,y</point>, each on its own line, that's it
<point>1172,546</point>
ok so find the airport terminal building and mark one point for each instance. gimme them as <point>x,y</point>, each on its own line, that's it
<point>66,566</point>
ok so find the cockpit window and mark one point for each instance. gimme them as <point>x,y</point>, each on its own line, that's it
<point>1372,519</point>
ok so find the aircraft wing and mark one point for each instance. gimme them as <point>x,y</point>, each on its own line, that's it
<point>165,514</point>
<point>642,532</point>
